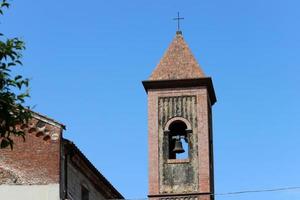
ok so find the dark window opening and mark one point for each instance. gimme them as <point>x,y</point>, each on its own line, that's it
<point>84,193</point>
<point>178,141</point>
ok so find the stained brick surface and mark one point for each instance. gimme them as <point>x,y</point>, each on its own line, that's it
<point>156,163</point>
<point>178,62</point>
<point>35,161</point>
<point>191,103</point>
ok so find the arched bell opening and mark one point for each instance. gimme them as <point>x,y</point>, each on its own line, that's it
<point>178,139</point>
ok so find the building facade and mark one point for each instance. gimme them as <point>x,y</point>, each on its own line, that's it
<point>48,167</point>
<point>180,98</point>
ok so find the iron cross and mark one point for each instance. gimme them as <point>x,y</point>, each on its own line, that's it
<point>178,18</point>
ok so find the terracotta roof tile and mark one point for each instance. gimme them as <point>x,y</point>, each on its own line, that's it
<point>178,62</point>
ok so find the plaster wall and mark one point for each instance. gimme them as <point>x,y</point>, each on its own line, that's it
<point>30,192</point>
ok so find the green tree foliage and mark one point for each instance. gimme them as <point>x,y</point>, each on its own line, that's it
<point>13,88</point>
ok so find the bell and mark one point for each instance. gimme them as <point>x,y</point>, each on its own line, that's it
<point>178,146</point>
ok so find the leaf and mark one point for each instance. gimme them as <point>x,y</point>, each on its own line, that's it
<point>18,77</point>
<point>4,4</point>
<point>13,112</point>
<point>4,143</point>
<point>11,64</point>
<point>19,62</point>
<point>10,143</point>
<point>20,133</point>
<point>19,85</point>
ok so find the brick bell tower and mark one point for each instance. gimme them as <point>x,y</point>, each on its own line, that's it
<point>180,98</point>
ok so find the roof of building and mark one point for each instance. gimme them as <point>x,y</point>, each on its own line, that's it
<point>99,181</point>
<point>47,119</point>
<point>177,63</point>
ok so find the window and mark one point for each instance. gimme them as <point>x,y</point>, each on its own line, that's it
<point>84,193</point>
<point>178,140</point>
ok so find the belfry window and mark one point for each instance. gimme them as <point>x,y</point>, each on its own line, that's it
<point>178,140</point>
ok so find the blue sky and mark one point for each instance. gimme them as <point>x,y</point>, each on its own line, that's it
<point>86,61</point>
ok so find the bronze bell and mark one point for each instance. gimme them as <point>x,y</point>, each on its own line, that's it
<point>178,147</point>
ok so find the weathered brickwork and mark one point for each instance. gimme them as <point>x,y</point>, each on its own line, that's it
<point>177,63</point>
<point>196,112</point>
<point>180,97</point>
<point>180,198</point>
<point>46,166</point>
<point>188,197</point>
<point>35,160</point>
<point>177,177</point>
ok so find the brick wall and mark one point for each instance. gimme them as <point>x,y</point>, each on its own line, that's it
<point>35,161</point>
<point>201,161</point>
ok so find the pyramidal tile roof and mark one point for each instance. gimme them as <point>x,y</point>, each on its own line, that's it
<point>177,63</point>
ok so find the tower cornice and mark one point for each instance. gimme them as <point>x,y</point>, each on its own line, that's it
<point>183,83</point>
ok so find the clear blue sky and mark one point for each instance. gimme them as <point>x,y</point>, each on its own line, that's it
<point>86,60</point>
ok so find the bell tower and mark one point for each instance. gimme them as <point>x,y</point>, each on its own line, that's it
<point>180,141</point>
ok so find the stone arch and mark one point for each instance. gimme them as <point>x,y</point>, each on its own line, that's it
<point>177,140</point>
<point>174,119</point>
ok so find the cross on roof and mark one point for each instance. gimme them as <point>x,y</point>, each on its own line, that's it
<point>178,18</point>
